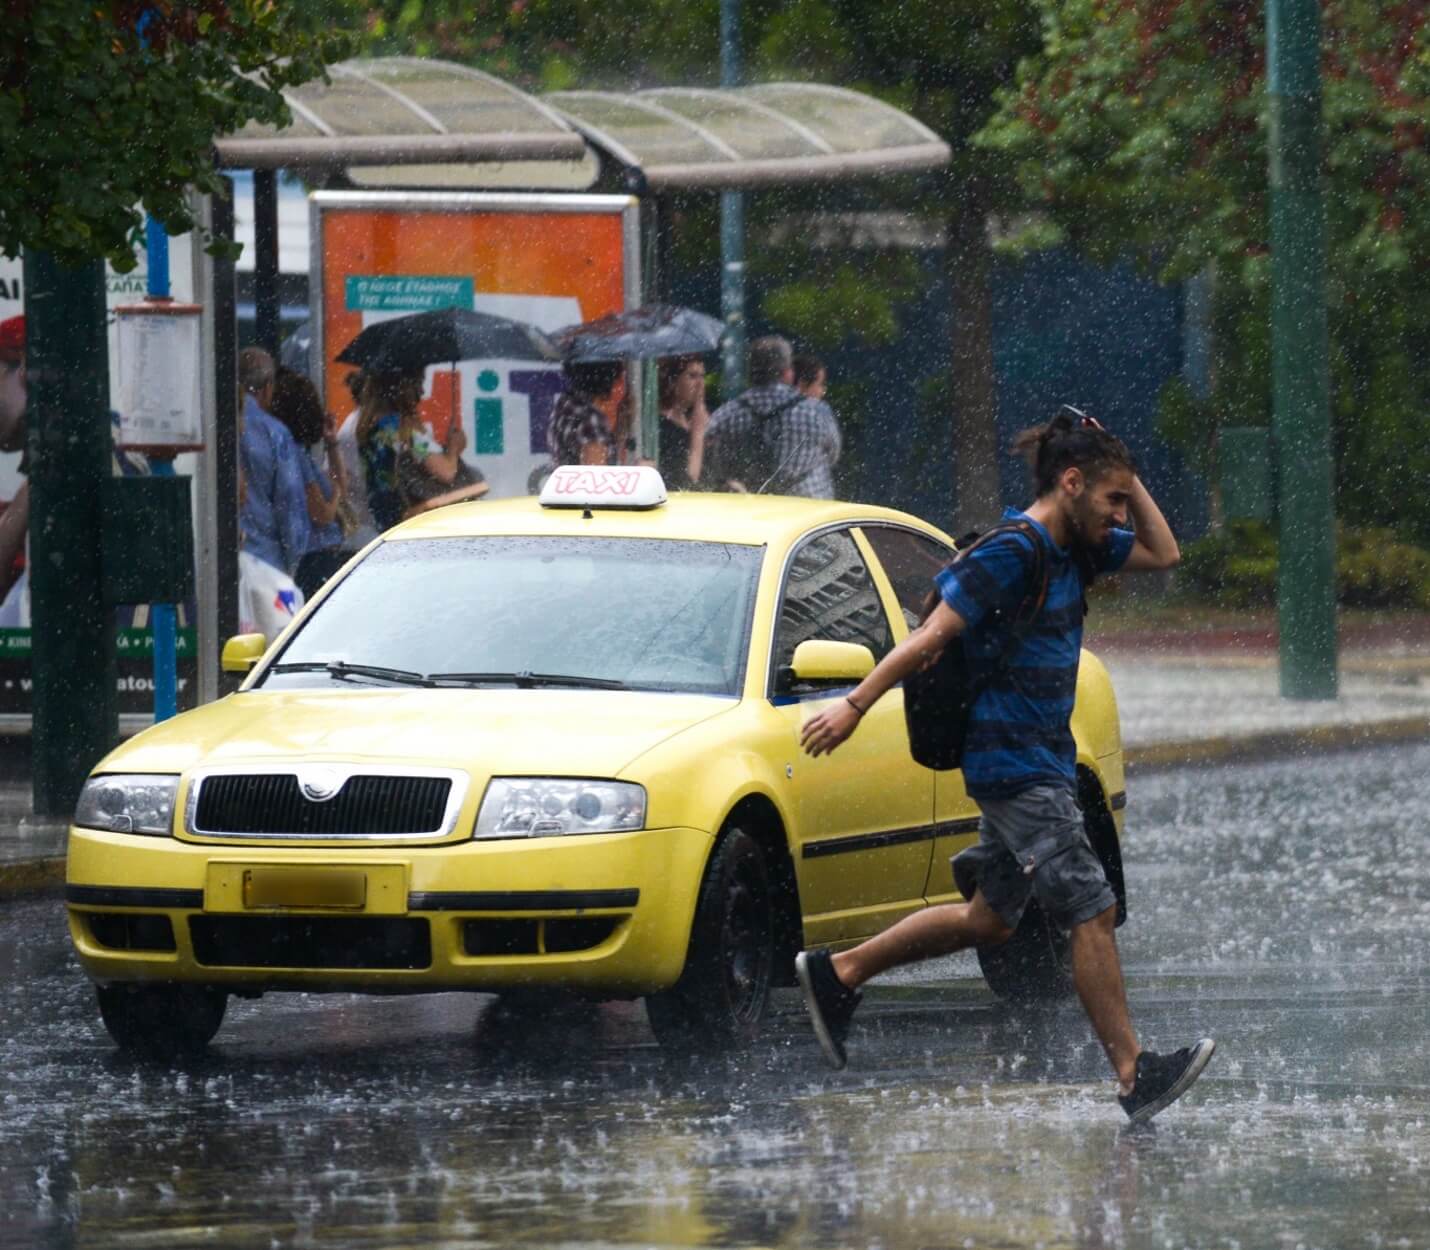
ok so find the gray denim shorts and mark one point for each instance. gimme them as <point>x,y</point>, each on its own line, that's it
<point>1034,844</point>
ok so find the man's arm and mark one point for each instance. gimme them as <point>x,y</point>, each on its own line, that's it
<point>922,647</point>
<point>1155,548</point>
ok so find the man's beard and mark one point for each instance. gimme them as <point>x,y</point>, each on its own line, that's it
<point>1087,526</point>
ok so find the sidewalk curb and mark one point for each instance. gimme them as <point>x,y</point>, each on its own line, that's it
<point>1274,744</point>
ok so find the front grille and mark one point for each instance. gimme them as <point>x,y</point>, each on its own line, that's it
<point>345,942</point>
<point>273,805</point>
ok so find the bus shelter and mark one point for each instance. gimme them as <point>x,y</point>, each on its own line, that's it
<point>409,137</point>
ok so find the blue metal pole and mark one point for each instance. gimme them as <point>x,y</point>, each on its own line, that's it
<point>162,617</point>
<point>156,240</point>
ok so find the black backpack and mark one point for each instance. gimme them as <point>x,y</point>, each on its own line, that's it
<point>759,462</point>
<point>939,699</point>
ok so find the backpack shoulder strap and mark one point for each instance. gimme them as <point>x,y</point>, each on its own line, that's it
<point>1032,603</point>
<point>778,410</point>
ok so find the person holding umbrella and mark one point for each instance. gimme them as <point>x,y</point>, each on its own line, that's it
<point>407,470</point>
<point>583,424</point>
<point>387,416</point>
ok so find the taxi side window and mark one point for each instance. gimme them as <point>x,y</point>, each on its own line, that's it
<point>910,561</point>
<point>828,593</point>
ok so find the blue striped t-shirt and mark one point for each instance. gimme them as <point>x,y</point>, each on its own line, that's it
<point>1018,733</point>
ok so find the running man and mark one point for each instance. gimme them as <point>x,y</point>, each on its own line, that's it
<point>1019,759</point>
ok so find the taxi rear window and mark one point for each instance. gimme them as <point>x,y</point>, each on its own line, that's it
<point>648,614</point>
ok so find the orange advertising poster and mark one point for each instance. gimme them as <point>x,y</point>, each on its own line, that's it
<point>552,261</point>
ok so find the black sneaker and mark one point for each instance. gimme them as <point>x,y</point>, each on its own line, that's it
<point>831,1005</point>
<point>1162,1079</point>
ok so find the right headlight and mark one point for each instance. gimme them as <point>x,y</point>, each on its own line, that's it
<point>545,807</point>
<point>128,803</point>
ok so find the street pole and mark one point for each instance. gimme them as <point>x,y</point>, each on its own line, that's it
<point>74,718</point>
<point>1300,404</point>
<point>267,319</point>
<point>732,226</point>
<point>163,623</point>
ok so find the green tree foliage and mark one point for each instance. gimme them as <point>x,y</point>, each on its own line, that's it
<point>552,45</point>
<point>110,106</point>
<point>1141,127</point>
<point>941,60</point>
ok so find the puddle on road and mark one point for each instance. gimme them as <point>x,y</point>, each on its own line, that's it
<point>936,1146</point>
<point>441,1122</point>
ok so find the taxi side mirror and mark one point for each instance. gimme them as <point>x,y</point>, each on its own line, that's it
<point>242,652</point>
<point>823,660</point>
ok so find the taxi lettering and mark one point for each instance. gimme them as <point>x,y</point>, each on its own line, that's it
<point>596,482</point>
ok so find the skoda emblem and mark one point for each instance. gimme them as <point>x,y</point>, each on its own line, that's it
<point>320,784</point>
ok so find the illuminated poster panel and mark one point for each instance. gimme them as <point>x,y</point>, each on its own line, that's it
<point>551,260</point>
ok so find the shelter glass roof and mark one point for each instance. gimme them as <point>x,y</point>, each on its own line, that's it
<point>751,136</point>
<point>405,121</point>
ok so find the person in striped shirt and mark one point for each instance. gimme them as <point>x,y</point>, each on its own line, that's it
<point>1019,760</point>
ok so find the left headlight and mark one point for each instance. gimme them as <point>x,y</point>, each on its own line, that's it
<point>128,803</point>
<point>545,807</point>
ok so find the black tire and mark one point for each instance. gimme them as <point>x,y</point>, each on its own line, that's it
<point>1034,965</point>
<point>161,1021</point>
<point>719,1003</point>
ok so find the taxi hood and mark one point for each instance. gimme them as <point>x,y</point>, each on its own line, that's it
<point>486,732</point>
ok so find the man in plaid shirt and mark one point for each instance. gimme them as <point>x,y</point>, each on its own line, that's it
<point>582,429</point>
<point>772,439</point>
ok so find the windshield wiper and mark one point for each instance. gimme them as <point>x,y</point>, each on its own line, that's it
<point>404,677</point>
<point>527,681</point>
<point>342,670</point>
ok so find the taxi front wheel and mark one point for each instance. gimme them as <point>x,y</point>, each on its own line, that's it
<point>720,1000</point>
<point>161,1021</point>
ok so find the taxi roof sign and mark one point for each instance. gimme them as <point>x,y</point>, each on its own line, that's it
<point>629,486</point>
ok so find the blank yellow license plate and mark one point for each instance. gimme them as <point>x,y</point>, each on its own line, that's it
<point>380,888</point>
<point>304,887</point>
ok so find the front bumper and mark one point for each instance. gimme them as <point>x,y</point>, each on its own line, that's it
<point>605,914</point>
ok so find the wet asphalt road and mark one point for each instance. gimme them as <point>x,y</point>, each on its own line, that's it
<point>1283,908</point>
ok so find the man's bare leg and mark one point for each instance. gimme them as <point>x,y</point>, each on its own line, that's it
<point>925,934</point>
<point>1097,976</point>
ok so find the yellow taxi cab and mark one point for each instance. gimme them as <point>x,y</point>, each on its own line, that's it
<point>548,744</point>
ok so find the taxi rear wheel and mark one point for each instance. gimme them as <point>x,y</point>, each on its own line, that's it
<point>161,1021</point>
<point>1034,965</point>
<point>719,1003</point>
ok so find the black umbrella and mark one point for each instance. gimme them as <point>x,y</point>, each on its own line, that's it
<point>642,333</point>
<point>408,344</point>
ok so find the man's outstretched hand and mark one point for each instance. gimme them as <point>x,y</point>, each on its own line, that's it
<point>824,732</point>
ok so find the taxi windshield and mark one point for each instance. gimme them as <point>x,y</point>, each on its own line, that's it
<point>598,613</point>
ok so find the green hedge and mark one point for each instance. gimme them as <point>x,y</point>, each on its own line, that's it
<point>1236,568</point>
